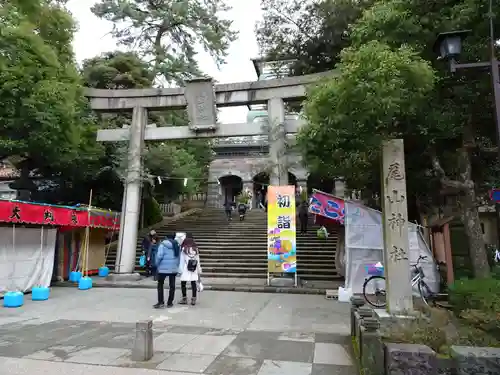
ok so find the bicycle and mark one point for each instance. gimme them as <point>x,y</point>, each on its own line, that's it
<point>417,279</point>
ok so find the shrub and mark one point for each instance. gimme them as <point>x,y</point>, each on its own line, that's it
<point>439,330</point>
<point>476,294</point>
<point>152,212</point>
<point>477,304</point>
<point>430,331</point>
<point>495,272</point>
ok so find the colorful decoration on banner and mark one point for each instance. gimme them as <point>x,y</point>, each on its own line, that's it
<point>327,205</point>
<point>281,234</point>
<point>31,213</point>
<point>495,195</point>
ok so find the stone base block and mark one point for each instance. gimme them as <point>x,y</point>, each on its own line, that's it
<point>475,361</point>
<point>117,277</point>
<point>404,359</point>
<point>281,282</point>
<point>387,320</point>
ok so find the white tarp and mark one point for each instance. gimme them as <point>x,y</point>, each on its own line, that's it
<point>26,259</point>
<point>364,243</point>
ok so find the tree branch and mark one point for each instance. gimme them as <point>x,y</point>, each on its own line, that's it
<point>445,181</point>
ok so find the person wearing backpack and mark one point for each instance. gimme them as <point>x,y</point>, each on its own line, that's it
<point>189,268</point>
<point>167,265</point>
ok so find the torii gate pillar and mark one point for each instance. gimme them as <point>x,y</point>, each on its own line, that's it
<point>129,226</point>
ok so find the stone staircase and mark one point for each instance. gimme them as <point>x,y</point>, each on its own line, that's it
<point>238,249</point>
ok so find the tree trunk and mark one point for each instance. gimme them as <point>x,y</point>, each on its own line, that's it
<point>469,210</point>
<point>472,225</point>
<point>470,217</point>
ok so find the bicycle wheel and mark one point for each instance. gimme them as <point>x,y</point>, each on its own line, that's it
<point>425,293</point>
<point>374,291</point>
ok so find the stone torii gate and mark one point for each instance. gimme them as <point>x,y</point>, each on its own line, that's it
<point>201,98</point>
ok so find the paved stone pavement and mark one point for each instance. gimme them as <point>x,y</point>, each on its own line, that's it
<point>227,333</point>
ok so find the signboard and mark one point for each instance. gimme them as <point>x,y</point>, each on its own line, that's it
<point>327,205</point>
<point>17,212</point>
<point>281,233</point>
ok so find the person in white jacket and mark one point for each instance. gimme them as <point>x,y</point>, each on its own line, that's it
<point>189,268</point>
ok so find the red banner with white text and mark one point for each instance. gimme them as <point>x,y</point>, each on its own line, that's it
<point>15,212</point>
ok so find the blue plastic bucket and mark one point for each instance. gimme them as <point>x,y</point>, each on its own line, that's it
<point>75,276</point>
<point>13,299</point>
<point>103,271</point>
<point>85,283</point>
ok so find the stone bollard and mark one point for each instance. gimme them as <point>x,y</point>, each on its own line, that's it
<point>371,347</point>
<point>143,345</point>
<point>356,303</point>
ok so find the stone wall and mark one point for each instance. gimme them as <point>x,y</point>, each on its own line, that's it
<point>376,357</point>
<point>247,167</point>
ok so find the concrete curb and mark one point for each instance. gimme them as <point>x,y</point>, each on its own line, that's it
<point>222,288</point>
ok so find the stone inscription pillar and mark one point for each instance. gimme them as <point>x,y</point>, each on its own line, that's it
<point>277,142</point>
<point>127,242</point>
<point>395,228</point>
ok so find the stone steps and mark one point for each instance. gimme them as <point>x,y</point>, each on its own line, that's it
<point>238,249</point>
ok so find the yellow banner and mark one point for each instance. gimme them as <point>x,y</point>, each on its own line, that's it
<point>281,233</point>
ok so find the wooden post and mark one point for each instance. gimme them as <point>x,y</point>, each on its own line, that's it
<point>450,277</point>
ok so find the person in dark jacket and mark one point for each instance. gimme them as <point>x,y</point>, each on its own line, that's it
<point>228,209</point>
<point>152,258</point>
<point>303,217</point>
<point>147,247</point>
<point>167,265</point>
<point>242,210</point>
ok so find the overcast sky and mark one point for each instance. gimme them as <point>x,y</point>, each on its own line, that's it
<point>93,39</point>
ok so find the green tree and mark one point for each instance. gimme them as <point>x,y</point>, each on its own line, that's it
<point>312,34</point>
<point>44,124</point>
<point>447,133</point>
<point>174,161</point>
<point>167,32</point>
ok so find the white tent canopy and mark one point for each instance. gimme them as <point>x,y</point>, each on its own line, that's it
<point>364,245</point>
<point>26,258</point>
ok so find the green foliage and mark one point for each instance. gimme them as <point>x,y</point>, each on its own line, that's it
<point>420,330</point>
<point>174,164</point>
<point>481,294</point>
<point>477,303</point>
<point>311,33</point>
<point>375,86</point>
<point>243,197</point>
<point>390,85</point>
<point>169,31</point>
<point>152,212</point>
<point>439,330</point>
<point>175,160</point>
<point>117,70</point>
<point>45,124</point>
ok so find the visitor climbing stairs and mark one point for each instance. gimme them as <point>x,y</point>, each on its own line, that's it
<point>239,249</point>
